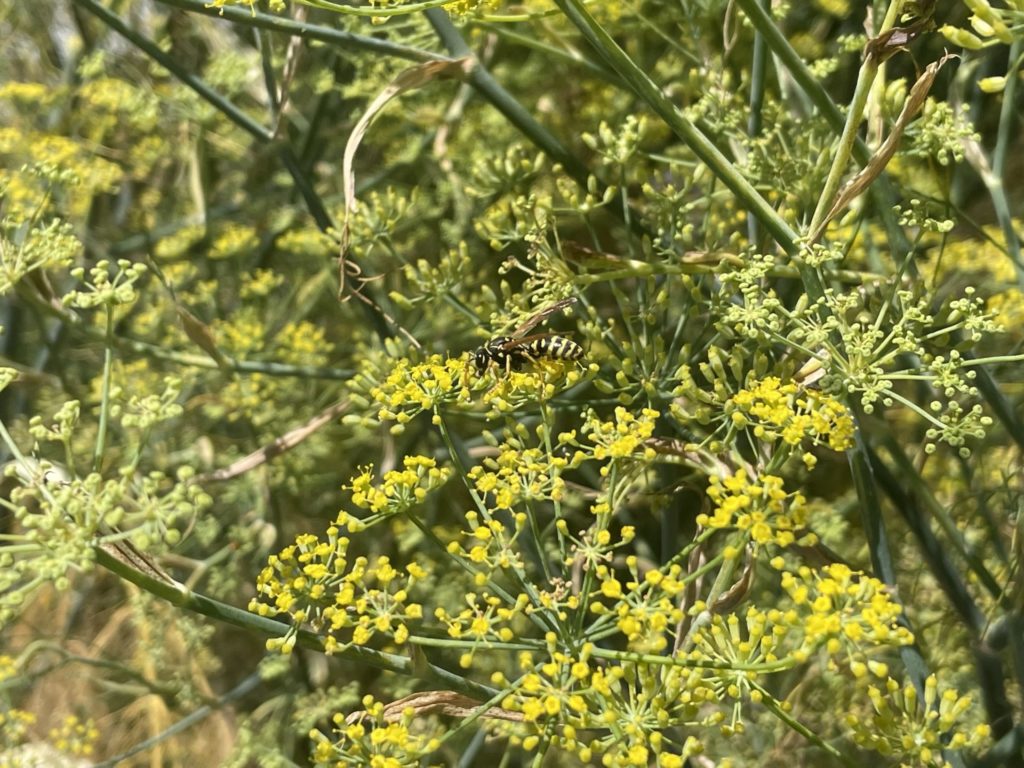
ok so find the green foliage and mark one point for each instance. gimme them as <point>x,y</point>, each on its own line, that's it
<point>773,503</point>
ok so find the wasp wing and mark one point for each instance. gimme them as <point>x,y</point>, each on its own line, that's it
<point>546,312</point>
<point>510,344</point>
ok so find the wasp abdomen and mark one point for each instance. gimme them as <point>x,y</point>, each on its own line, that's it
<point>555,347</point>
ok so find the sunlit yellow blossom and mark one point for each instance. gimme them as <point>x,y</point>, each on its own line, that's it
<point>624,437</point>
<point>312,581</point>
<point>412,388</point>
<point>775,410</point>
<point>918,731</point>
<point>399,489</point>
<point>760,506</point>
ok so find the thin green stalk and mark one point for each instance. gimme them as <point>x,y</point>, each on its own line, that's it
<point>780,712</point>
<point>540,617</point>
<point>249,684</point>
<point>758,72</point>
<point>706,151</point>
<point>882,190</point>
<point>854,116</point>
<point>306,31</point>
<point>177,595</point>
<point>944,519</point>
<point>548,420</point>
<point>684,662</point>
<point>995,181</point>
<point>502,100</point>
<point>873,523</point>
<point>108,369</point>
<point>597,69</point>
<point>377,11</point>
<point>166,60</point>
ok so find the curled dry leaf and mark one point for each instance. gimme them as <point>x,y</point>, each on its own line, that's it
<point>438,703</point>
<point>859,183</point>
<point>414,77</point>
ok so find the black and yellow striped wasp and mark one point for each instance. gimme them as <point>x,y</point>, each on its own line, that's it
<point>513,351</point>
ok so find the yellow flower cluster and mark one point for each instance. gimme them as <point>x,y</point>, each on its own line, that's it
<point>485,618</point>
<point>14,725</point>
<point>412,388</point>
<point>489,546</point>
<point>646,609</point>
<point>622,438</point>
<point>741,646</point>
<point>378,739</point>
<point>842,609</point>
<point>776,410</point>
<point>313,583</point>
<point>399,490</point>
<point>629,712</point>
<point>75,737</point>
<point>761,507</point>
<point>544,379</point>
<point>518,475</point>
<point>918,731</point>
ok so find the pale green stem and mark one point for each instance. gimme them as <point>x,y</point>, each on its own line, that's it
<point>108,367</point>
<point>177,595</point>
<point>780,712</point>
<point>641,83</point>
<point>848,139</point>
<point>722,581</point>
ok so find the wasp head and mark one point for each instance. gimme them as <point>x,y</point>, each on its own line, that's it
<point>481,360</point>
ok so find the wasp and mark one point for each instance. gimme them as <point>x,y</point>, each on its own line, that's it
<point>513,351</point>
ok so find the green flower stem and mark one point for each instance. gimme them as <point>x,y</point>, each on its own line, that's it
<point>108,368</point>
<point>464,645</point>
<point>542,561</point>
<point>923,492</point>
<point>588,573</point>
<point>548,419</point>
<point>377,11</point>
<point>249,684</point>
<point>599,628</point>
<point>305,30</point>
<point>178,595</point>
<point>502,100</point>
<point>776,708</point>
<point>878,541</point>
<point>758,72</point>
<point>166,60</point>
<point>539,617</point>
<point>683,662</point>
<point>570,57</point>
<point>882,189</point>
<point>481,711</point>
<point>721,583</point>
<point>706,151</point>
<point>992,360</point>
<point>460,562</point>
<point>848,139</point>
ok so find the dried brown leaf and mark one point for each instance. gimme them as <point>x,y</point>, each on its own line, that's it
<point>859,183</point>
<point>414,77</point>
<point>446,703</point>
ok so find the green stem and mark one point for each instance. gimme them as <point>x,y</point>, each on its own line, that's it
<point>882,190</point>
<point>108,368</point>
<point>702,147</point>
<point>873,523</point>
<point>776,708</point>
<point>305,30</point>
<point>854,115</point>
<point>178,595</point>
<point>995,181</point>
<point>502,100</point>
